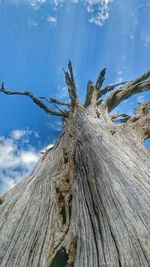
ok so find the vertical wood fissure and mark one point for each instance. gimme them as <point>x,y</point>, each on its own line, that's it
<point>87,195</point>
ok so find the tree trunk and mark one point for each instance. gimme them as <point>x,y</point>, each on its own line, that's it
<point>86,204</point>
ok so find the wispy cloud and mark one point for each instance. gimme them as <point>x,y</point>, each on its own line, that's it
<point>16,160</point>
<point>98,9</point>
<point>144,5</point>
<point>145,38</point>
<point>130,25</point>
<point>32,22</point>
<point>140,99</point>
<point>18,134</point>
<point>56,126</point>
<point>119,78</point>
<point>62,93</point>
<point>52,20</point>
<point>36,3</point>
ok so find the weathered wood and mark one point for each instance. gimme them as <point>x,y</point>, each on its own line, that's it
<point>108,89</point>
<point>88,196</point>
<point>87,201</point>
<point>71,86</point>
<point>91,90</point>
<point>137,86</point>
<point>100,79</point>
<point>143,109</point>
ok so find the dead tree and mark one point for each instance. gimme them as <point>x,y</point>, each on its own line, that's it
<point>86,204</point>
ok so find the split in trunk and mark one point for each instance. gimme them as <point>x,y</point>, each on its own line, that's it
<point>86,204</point>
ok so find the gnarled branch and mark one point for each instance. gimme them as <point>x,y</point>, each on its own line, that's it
<point>109,88</point>
<point>35,100</point>
<point>141,121</point>
<point>141,124</point>
<point>71,86</point>
<point>132,88</point>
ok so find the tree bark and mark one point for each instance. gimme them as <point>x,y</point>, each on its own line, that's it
<point>86,200</point>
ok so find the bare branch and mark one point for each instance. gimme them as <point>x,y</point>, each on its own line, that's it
<point>143,77</point>
<point>71,72</point>
<point>130,89</point>
<point>60,102</point>
<point>66,113</point>
<point>2,87</point>
<point>34,99</point>
<point>45,98</point>
<point>71,86</point>
<point>100,79</point>
<point>109,88</point>
<point>53,100</point>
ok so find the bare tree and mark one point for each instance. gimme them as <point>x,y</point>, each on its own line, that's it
<point>86,204</point>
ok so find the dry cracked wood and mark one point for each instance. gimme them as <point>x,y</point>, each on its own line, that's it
<point>88,197</point>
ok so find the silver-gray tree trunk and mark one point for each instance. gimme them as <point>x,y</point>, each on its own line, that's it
<point>87,199</point>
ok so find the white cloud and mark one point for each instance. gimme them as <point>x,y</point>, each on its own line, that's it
<point>36,3</point>
<point>52,20</point>
<point>58,2</point>
<point>46,148</point>
<point>97,9</point>
<point>100,11</point>
<point>17,134</point>
<point>62,93</point>
<point>119,77</point>
<point>16,161</point>
<point>28,157</point>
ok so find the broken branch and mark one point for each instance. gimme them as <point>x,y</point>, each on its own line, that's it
<point>71,86</point>
<point>90,91</point>
<point>100,79</point>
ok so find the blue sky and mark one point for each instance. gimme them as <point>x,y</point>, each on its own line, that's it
<point>37,37</point>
